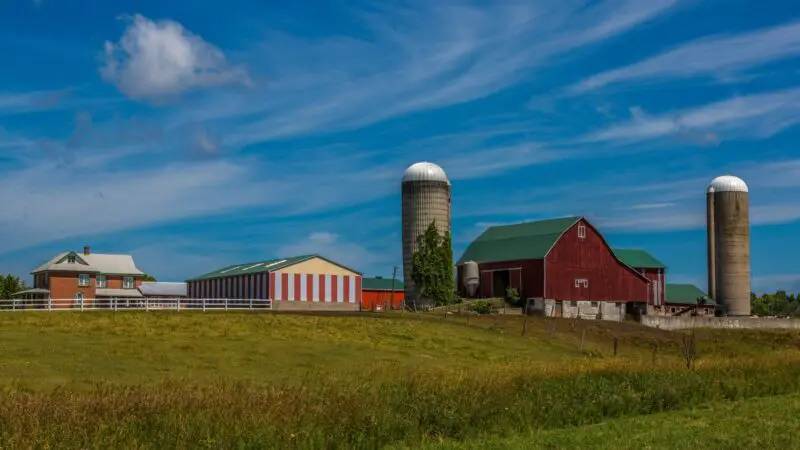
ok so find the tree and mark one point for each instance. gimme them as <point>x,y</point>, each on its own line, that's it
<point>432,267</point>
<point>10,285</point>
<point>148,278</point>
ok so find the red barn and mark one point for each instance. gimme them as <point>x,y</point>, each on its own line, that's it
<point>650,267</point>
<point>564,266</point>
<point>382,293</point>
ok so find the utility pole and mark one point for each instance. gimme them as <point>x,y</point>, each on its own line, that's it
<point>391,298</point>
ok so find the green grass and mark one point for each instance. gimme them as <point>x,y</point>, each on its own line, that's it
<point>764,423</point>
<point>262,380</point>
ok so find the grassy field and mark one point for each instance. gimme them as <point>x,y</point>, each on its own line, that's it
<point>261,380</point>
<point>764,423</point>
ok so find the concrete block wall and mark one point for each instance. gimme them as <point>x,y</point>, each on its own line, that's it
<point>313,306</point>
<point>582,309</point>
<point>686,322</point>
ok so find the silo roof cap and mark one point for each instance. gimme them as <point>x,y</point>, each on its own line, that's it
<point>727,183</point>
<point>425,171</point>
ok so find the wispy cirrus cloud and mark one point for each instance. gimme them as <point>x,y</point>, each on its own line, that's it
<point>407,60</point>
<point>720,56</point>
<point>748,116</point>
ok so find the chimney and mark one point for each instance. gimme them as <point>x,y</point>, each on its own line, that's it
<point>87,250</point>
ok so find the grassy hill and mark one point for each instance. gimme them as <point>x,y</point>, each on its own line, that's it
<point>223,380</point>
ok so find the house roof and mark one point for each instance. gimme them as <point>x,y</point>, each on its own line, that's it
<point>684,294</point>
<point>163,288</point>
<point>270,265</point>
<point>528,240</point>
<point>381,284</point>
<point>94,262</point>
<point>123,293</point>
<point>637,258</point>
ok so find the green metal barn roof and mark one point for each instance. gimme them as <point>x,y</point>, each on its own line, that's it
<point>529,240</point>
<point>381,284</point>
<point>684,294</point>
<point>269,265</point>
<point>638,259</point>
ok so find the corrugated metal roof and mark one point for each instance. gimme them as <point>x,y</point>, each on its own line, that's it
<point>637,258</point>
<point>110,292</point>
<point>94,262</point>
<point>270,265</point>
<point>529,240</point>
<point>684,294</point>
<point>163,288</point>
<point>381,284</point>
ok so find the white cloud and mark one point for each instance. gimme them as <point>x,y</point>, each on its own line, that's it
<point>750,116</point>
<point>721,56</point>
<point>157,60</point>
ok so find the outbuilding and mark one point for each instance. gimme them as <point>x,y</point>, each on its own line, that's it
<point>686,299</point>
<point>300,282</point>
<point>564,266</point>
<point>646,264</point>
<point>382,293</point>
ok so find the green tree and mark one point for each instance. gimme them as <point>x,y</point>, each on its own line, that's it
<point>432,267</point>
<point>148,278</point>
<point>10,285</point>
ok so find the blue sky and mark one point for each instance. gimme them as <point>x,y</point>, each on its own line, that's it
<point>198,134</point>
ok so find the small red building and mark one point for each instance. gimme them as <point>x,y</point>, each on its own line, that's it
<point>564,266</point>
<point>382,293</point>
<point>650,267</point>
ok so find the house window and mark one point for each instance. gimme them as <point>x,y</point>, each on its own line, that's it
<point>83,280</point>
<point>128,283</point>
<point>71,259</point>
<point>79,296</point>
<point>582,231</point>
<point>102,281</point>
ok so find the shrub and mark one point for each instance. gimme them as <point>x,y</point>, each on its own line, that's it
<point>480,307</point>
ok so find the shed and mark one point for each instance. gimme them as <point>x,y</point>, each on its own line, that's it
<point>382,293</point>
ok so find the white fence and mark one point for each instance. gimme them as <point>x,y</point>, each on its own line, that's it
<point>131,304</point>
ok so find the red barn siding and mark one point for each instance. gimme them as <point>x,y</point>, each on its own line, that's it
<point>373,298</point>
<point>529,281</point>
<point>590,258</point>
<point>654,275</point>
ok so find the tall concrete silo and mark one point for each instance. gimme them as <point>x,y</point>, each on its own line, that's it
<point>426,198</point>
<point>728,237</point>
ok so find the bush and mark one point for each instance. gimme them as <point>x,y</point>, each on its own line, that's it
<point>480,307</point>
<point>512,296</point>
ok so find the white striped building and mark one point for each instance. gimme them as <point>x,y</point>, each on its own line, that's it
<point>302,281</point>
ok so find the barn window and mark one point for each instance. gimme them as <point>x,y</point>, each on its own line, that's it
<point>582,231</point>
<point>594,304</point>
<point>581,282</point>
<point>573,303</point>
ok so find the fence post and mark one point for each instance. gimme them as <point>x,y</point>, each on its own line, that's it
<point>146,304</point>
<point>615,346</point>
<point>49,304</point>
<point>13,304</point>
<point>178,303</point>
<point>226,304</point>
<point>204,305</point>
<point>251,304</point>
<point>82,299</point>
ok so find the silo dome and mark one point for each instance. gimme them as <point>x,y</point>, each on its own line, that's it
<point>425,171</point>
<point>727,183</point>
